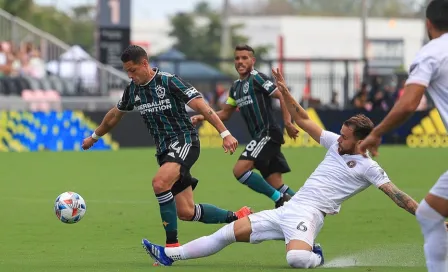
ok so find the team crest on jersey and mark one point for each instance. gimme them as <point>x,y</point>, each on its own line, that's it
<point>351,164</point>
<point>246,88</point>
<point>160,91</point>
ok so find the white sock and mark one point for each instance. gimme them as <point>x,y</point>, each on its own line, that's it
<point>302,259</point>
<point>204,246</point>
<point>435,234</point>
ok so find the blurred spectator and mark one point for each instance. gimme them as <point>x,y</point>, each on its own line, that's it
<point>360,100</point>
<point>334,104</point>
<point>5,63</point>
<point>20,61</point>
<point>36,65</point>
<point>310,102</point>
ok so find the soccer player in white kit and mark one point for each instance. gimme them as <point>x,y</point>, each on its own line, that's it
<point>343,173</point>
<point>429,70</point>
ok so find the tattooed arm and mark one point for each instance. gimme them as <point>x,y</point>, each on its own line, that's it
<point>229,142</point>
<point>299,114</point>
<point>399,197</point>
<point>209,114</point>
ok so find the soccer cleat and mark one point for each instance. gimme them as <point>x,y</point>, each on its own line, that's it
<point>243,212</point>
<point>156,263</point>
<point>157,253</point>
<point>318,250</point>
<point>284,198</point>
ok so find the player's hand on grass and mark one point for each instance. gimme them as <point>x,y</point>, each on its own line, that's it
<point>371,143</point>
<point>292,130</point>
<point>196,119</point>
<point>88,143</point>
<point>229,143</point>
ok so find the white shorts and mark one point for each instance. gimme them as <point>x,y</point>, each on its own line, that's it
<point>289,222</point>
<point>440,189</point>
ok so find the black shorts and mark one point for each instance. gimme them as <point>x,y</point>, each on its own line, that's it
<point>266,155</point>
<point>186,155</point>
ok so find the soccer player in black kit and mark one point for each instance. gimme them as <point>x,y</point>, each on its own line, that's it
<point>161,98</point>
<point>252,93</point>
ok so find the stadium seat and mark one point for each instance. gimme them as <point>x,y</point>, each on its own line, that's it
<point>43,104</point>
<point>11,87</point>
<point>45,83</point>
<point>70,87</point>
<point>33,83</point>
<point>24,84</point>
<point>56,83</point>
<point>54,99</point>
<point>2,87</point>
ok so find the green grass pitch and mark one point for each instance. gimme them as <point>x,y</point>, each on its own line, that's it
<point>370,233</point>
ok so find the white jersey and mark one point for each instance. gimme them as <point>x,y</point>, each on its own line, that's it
<point>338,178</point>
<point>430,69</point>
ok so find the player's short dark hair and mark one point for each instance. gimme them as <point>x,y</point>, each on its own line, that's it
<point>437,14</point>
<point>133,53</point>
<point>361,125</point>
<point>244,47</point>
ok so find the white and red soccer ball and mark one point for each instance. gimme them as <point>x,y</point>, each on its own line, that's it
<point>70,207</point>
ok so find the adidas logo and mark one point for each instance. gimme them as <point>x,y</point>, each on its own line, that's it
<point>431,132</point>
<point>137,98</point>
<point>244,154</point>
<point>171,154</point>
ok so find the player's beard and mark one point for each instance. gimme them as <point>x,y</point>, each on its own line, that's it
<point>245,72</point>
<point>343,151</point>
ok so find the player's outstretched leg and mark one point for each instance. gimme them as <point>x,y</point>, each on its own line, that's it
<point>168,173</point>
<point>431,214</point>
<point>243,172</point>
<point>202,247</point>
<point>187,210</point>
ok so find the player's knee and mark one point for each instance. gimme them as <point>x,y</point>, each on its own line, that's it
<point>160,185</point>
<point>298,258</point>
<point>186,213</point>
<point>239,170</point>
<point>237,173</point>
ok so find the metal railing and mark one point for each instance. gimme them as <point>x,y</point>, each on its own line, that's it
<point>17,31</point>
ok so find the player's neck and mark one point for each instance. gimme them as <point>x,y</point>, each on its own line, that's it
<point>151,74</point>
<point>357,151</point>
<point>438,34</point>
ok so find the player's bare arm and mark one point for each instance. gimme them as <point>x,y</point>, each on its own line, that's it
<point>404,108</point>
<point>110,120</point>
<point>289,126</point>
<point>401,111</point>
<point>199,105</point>
<point>299,114</point>
<point>399,197</point>
<point>224,114</point>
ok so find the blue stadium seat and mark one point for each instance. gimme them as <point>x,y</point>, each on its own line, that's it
<point>54,131</point>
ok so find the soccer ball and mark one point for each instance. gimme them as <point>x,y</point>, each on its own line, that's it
<point>70,207</point>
